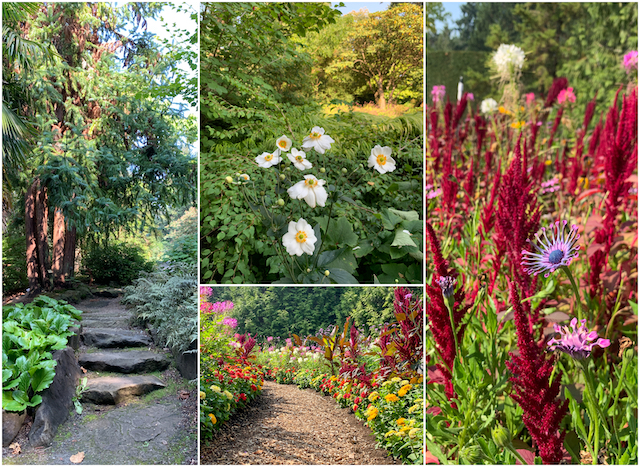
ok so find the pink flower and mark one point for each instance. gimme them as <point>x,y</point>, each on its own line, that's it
<point>438,93</point>
<point>206,290</point>
<point>566,95</point>
<point>530,98</point>
<point>470,96</point>
<point>269,339</point>
<point>630,61</point>
<point>577,341</point>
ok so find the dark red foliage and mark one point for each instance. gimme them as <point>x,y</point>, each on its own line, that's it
<point>597,264</point>
<point>556,123</point>
<point>460,108</point>
<point>518,218</point>
<point>532,369</point>
<point>558,85</point>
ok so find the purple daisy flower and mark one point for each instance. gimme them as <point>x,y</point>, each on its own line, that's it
<point>575,341</point>
<point>558,250</point>
<point>447,285</point>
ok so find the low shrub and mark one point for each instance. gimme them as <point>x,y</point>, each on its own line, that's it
<point>115,264</point>
<point>167,300</point>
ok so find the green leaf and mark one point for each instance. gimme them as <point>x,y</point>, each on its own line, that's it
<point>42,379</point>
<point>340,276</point>
<point>402,238</point>
<point>341,233</point>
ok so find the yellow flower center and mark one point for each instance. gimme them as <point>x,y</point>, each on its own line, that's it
<point>268,157</point>
<point>301,236</point>
<point>282,144</point>
<point>382,160</point>
<point>310,182</point>
<point>315,135</point>
<point>299,158</point>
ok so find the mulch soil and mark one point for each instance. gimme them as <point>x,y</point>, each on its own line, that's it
<point>286,425</point>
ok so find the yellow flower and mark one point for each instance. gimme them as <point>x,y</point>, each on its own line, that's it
<point>412,422</point>
<point>404,389</point>
<point>401,421</point>
<point>228,406</point>
<point>391,398</point>
<point>548,162</point>
<point>518,125</point>
<point>404,382</point>
<point>416,379</point>
<point>213,418</point>
<point>413,432</point>
<point>373,396</point>
<point>390,433</point>
<point>372,413</point>
<point>405,428</point>
<point>215,388</point>
<point>396,379</point>
<point>228,394</point>
<point>413,408</point>
<point>418,401</point>
<point>202,395</point>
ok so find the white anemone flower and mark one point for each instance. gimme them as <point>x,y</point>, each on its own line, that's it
<point>299,159</point>
<point>488,106</point>
<point>381,159</point>
<point>244,177</point>
<point>283,143</point>
<point>300,238</point>
<point>268,159</point>
<point>317,140</point>
<point>311,190</point>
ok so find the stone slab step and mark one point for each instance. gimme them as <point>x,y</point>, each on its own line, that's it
<point>105,322</point>
<point>135,361</point>
<point>114,389</point>
<point>112,337</point>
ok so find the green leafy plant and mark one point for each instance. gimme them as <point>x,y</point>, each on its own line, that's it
<point>167,300</point>
<point>29,334</point>
<point>116,263</point>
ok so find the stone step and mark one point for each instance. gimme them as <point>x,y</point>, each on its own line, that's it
<point>134,361</point>
<point>114,389</point>
<point>112,337</point>
<point>105,322</point>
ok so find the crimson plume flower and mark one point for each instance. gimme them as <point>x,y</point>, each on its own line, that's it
<point>532,389</point>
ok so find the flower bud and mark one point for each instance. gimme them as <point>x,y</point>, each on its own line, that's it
<point>471,455</point>
<point>326,273</point>
<point>308,269</point>
<point>282,177</point>
<point>262,193</point>
<point>229,180</point>
<point>280,202</point>
<point>322,170</point>
<point>361,166</point>
<point>501,436</point>
<point>344,171</point>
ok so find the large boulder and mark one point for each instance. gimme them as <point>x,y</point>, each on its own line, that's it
<point>57,399</point>
<point>116,389</point>
<point>110,338</point>
<point>11,424</point>
<point>187,362</point>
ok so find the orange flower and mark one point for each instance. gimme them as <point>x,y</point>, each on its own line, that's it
<point>213,418</point>
<point>391,398</point>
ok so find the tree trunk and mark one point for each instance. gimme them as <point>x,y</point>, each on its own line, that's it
<point>69,260</point>
<point>30,231</point>
<point>58,248</point>
<point>41,227</point>
<point>382,103</point>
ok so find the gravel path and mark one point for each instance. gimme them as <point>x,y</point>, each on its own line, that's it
<point>286,425</point>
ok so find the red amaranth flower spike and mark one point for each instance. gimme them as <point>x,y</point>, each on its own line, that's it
<point>532,370</point>
<point>559,84</point>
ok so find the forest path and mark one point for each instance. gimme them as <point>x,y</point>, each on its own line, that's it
<point>286,425</point>
<point>137,409</point>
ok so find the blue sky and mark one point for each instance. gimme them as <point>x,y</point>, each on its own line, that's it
<point>453,8</point>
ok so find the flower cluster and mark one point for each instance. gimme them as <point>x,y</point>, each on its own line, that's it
<point>437,93</point>
<point>566,95</point>
<point>488,106</point>
<point>226,386</point>
<point>508,58</point>
<point>630,61</point>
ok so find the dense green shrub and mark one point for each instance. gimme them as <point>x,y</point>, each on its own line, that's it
<point>29,333</point>
<point>167,300</point>
<point>117,264</point>
<point>14,261</point>
<point>182,238</point>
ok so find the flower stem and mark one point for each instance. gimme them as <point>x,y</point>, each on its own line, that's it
<point>567,271</point>
<point>449,304</point>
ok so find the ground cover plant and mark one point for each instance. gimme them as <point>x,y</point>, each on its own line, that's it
<point>292,193</point>
<point>532,274</point>
<point>29,334</point>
